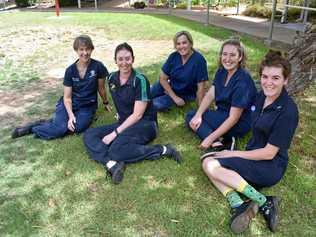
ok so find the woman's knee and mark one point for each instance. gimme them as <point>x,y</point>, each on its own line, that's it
<point>210,166</point>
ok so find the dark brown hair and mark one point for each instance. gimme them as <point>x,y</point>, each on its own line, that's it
<point>125,46</point>
<point>275,59</point>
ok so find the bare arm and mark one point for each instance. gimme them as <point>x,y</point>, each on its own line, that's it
<point>163,79</point>
<point>68,106</point>
<point>266,153</point>
<point>233,118</point>
<point>205,104</point>
<point>200,91</point>
<point>102,93</point>
<point>138,112</point>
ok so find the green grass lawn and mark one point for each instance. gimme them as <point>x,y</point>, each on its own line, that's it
<point>53,189</point>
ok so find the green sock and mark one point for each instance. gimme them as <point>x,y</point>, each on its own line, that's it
<point>251,193</point>
<point>234,199</point>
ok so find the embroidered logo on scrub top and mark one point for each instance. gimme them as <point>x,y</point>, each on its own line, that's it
<point>112,86</point>
<point>92,73</point>
<point>76,79</point>
<point>253,108</point>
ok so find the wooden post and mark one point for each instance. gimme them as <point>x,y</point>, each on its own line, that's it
<point>285,12</point>
<point>208,13</point>
<point>269,40</point>
<point>57,7</point>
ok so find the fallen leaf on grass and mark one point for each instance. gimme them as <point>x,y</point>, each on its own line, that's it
<point>93,187</point>
<point>67,173</point>
<point>51,202</point>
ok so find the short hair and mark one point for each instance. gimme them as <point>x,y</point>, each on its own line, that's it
<point>125,46</point>
<point>240,48</point>
<point>83,40</point>
<point>275,59</point>
<point>180,33</point>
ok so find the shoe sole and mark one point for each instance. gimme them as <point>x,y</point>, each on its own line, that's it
<point>241,222</point>
<point>118,176</point>
<point>275,222</point>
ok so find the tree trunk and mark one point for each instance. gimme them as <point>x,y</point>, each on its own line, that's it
<point>302,57</point>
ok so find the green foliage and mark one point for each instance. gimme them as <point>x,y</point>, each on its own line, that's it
<point>230,3</point>
<point>22,3</point>
<point>139,5</point>
<point>258,11</point>
<point>68,3</point>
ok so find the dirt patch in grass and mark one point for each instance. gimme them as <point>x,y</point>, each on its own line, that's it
<point>48,51</point>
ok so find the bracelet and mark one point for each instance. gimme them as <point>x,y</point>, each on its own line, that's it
<point>105,102</point>
<point>116,132</point>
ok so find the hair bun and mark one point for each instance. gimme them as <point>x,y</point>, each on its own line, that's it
<point>273,54</point>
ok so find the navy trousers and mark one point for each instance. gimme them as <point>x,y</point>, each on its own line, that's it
<point>162,101</point>
<point>58,125</point>
<point>211,120</point>
<point>129,146</point>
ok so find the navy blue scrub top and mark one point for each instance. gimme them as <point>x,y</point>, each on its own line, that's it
<point>274,124</point>
<point>184,78</point>
<point>137,88</point>
<point>84,91</point>
<point>240,92</point>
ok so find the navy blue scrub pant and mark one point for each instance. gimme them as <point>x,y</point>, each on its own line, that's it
<point>162,101</point>
<point>58,125</point>
<point>129,146</point>
<point>259,173</point>
<point>211,120</point>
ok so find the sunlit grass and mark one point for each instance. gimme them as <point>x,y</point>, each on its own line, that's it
<point>53,189</point>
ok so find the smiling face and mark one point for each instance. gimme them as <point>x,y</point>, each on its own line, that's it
<point>124,61</point>
<point>230,57</point>
<point>183,45</point>
<point>84,53</point>
<point>272,81</point>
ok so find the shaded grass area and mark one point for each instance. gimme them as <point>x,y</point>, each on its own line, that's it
<point>53,189</point>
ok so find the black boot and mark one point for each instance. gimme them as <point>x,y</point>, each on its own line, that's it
<point>27,129</point>
<point>270,212</point>
<point>172,153</point>
<point>242,215</point>
<point>117,172</point>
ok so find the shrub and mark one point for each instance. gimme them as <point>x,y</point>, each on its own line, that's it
<point>259,11</point>
<point>293,13</point>
<point>139,5</point>
<point>22,3</point>
<point>182,5</point>
<point>68,3</point>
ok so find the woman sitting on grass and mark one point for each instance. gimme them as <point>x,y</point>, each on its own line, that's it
<point>263,164</point>
<point>125,141</point>
<point>183,76</point>
<point>75,110</point>
<point>234,92</point>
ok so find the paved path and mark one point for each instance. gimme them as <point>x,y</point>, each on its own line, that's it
<point>283,34</point>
